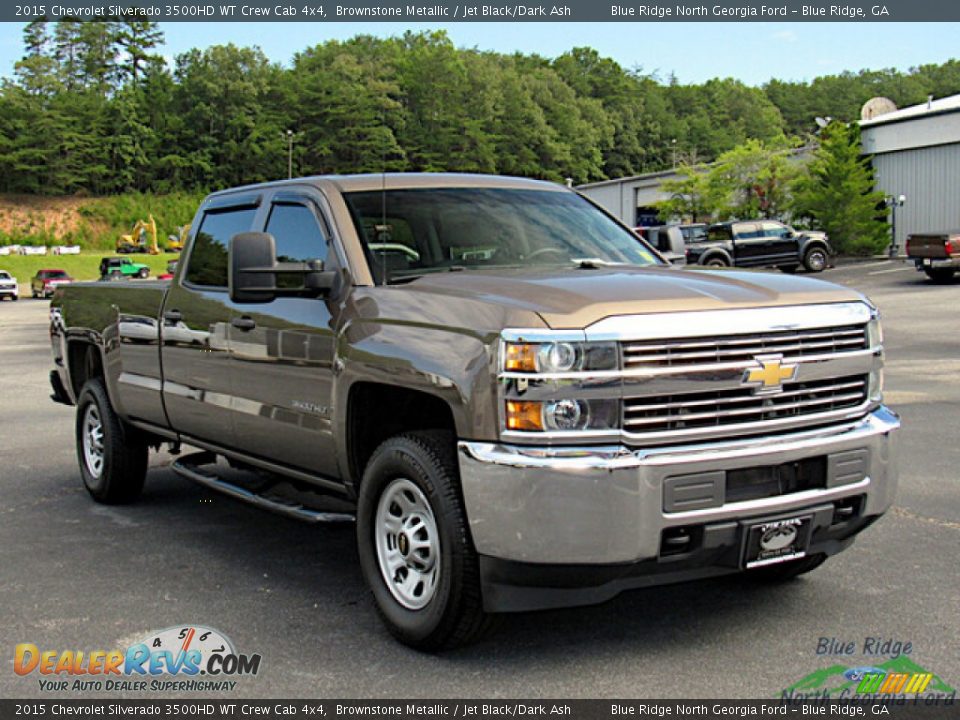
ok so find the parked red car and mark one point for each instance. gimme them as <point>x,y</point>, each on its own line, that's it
<point>45,282</point>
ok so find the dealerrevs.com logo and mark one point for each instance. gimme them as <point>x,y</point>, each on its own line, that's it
<point>184,658</point>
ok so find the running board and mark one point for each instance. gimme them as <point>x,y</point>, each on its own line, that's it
<point>268,496</point>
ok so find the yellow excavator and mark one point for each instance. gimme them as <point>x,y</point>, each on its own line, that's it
<point>142,239</point>
<point>176,242</point>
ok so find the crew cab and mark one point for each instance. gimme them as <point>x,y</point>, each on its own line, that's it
<point>521,405</point>
<point>760,243</point>
<point>937,254</point>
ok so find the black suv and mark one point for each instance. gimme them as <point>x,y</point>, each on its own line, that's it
<point>760,243</point>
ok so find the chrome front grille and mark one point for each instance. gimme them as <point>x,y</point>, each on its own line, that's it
<point>739,348</point>
<point>740,406</point>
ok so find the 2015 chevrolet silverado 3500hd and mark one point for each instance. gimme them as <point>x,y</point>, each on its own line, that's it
<point>521,403</point>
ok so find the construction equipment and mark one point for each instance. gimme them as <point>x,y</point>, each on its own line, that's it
<point>175,242</point>
<point>142,239</point>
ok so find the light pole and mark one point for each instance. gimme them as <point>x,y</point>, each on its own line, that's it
<point>673,147</point>
<point>289,154</point>
<point>893,202</point>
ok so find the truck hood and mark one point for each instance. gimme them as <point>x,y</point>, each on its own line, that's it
<point>578,298</point>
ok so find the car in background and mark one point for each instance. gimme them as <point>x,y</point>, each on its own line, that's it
<point>694,232</point>
<point>936,253</point>
<point>761,243</point>
<point>8,286</point>
<point>668,239</point>
<point>171,271</point>
<point>123,266</point>
<point>46,281</point>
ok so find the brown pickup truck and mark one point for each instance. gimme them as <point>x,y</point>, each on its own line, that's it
<point>520,403</point>
<point>936,254</point>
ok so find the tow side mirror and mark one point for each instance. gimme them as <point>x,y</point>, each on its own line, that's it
<point>253,272</point>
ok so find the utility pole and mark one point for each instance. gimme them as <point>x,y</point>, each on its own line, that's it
<point>289,154</point>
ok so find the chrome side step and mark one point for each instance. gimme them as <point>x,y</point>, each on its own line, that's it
<point>268,495</point>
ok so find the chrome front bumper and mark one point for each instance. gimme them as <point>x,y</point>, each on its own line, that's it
<point>605,505</point>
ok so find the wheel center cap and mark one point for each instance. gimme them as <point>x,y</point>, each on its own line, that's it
<point>403,544</point>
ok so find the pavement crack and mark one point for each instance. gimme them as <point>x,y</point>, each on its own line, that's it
<point>903,512</point>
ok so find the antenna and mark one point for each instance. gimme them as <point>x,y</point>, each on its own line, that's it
<point>382,231</point>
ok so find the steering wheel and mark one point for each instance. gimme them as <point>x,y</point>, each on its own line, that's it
<point>546,251</point>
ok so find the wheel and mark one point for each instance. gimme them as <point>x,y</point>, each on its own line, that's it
<point>415,548</point>
<point>782,572</point>
<point>112,455</point>
<point>789,269</point>
<point>15,297</point>
<point>143,272</point>
<point>815,259</point>
<point>33,293</point>
<point>940,275</point>
<point>717,262</point>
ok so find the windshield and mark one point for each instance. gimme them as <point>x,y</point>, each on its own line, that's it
<point>4,275</point>
<point>55,274</point>
<point>440,229</point>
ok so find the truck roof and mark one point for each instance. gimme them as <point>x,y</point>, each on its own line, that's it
<point>402,181</point>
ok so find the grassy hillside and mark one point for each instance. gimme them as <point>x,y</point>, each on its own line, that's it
<point>92,223</point>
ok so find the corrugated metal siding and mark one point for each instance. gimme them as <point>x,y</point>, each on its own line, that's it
<point>930,179</point>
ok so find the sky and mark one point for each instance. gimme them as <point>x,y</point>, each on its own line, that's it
<point>694,52</point>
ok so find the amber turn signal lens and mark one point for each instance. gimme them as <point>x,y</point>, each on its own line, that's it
<point>522,415</point>
<point>520,357</point>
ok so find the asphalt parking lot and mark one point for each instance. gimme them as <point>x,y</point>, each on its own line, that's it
<point>75,575</point>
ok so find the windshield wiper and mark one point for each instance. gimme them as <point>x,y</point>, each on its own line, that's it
<point>596,263</point>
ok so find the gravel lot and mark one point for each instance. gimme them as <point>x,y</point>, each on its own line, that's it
<point>75,575</point>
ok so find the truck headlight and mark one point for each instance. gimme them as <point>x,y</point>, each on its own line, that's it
<point>559,357</point>
<point>564,415</point>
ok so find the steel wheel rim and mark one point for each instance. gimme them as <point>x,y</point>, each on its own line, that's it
<point>92,432</point>
<point>407,544</point>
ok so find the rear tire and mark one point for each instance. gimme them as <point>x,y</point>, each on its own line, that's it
<point>784,572</point>
<point>940,275</point>
<point>112,455</point>
<point>414,543</point>
<point>815,259</point>
<point>717,262</point>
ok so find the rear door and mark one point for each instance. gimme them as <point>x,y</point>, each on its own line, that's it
<point>197,391</point>
<point>283,350</point>
<point>750,246</point>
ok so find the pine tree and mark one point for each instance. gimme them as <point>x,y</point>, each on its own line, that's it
<point>136,39</point>
<point>837,193</point>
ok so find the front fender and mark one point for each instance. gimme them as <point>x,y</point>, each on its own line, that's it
<point>454,365</point>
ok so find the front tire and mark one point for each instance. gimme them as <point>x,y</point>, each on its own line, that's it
<point>112,455</point>
<point>415,548</point>
<point>815,259</point>
<point>143,273</point>
<point>940,275</point>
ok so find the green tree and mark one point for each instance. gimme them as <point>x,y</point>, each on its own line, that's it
<point>837,193</point>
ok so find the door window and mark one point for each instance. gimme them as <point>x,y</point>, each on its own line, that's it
<point>208,258</point>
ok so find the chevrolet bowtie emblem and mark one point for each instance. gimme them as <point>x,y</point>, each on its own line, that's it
<point>770,374</point>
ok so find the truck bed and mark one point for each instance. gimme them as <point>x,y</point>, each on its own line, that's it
<point>933,245</point>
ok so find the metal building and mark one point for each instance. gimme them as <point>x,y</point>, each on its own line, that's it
<point>632,199</point>
<point>916,154</point>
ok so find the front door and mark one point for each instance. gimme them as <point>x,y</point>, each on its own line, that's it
<point>283,350</point>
